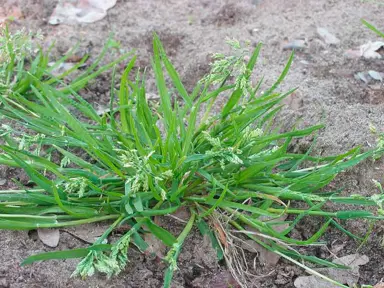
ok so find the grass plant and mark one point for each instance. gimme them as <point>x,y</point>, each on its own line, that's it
<point>233,171</point>
<point>24,63</point>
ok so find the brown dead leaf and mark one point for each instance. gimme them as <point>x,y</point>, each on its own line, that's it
<point>82,11</point>
<point>220,234</point>
<point>265,256</point>
<point>344,276</point>
<point>372,50</point>
<point>379,285</point>
<point>369,50</point>
<point>353,260</point>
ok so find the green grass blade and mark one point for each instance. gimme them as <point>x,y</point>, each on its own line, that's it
<point>373,28</point>
<point>282,75</point>
<point>162,234</point>
<point>65,254</point>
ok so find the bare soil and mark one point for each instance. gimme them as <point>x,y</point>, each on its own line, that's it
<point>190,31</point>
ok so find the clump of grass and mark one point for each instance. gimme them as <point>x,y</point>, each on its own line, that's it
<point>23,63</point>
<point>231,171</point>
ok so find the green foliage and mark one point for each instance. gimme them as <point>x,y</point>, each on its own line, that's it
<point>23,63</point>
<point>231,170</point>
<point>373,28</point>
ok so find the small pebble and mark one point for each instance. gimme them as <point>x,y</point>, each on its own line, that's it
<point>297,44</point>
<point>375,75</point>
<point>327,36</point>
<point>361,76</point>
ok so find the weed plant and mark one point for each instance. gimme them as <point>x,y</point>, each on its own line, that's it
<point>233,171</point>
<point>23,64</point>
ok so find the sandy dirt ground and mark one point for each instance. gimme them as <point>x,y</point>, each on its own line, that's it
<point>191,30</point>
